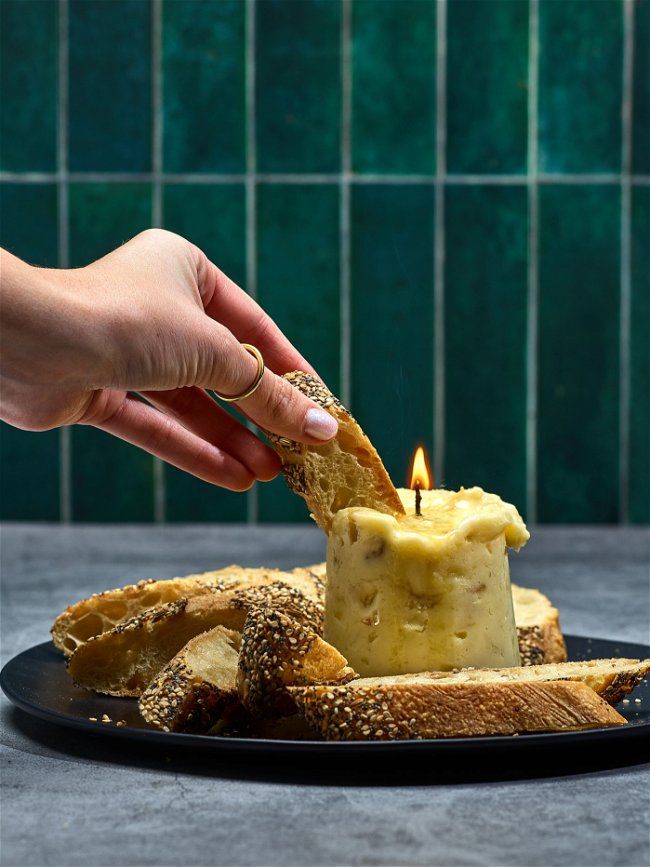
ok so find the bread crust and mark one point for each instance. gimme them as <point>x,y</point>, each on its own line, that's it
<point>553,697</point>
<point>103,611</point>
<point>197,688</point>
<point>538,627</point>
<point>278,651</point>
<point>432,711</point>
<point>347,471</point>
<point>126,659</point>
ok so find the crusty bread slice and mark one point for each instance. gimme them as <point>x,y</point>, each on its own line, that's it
<point>126,659</point>
<point>197,687</point>
<point>278,651</point>
<point>538,627</point>
<point>347,471</point>
<point>103,611</point>
<point>557,697</point>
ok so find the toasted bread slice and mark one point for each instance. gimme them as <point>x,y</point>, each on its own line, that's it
<point>103,611</point>
<point>567,696</point>
<point>347,471</point>
<point>538,627</point>
<point>126,659</point>
<point>198,687</point>
<point>277,651</point>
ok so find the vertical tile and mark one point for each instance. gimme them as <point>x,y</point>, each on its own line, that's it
<point>393,86</point>
<point>298,285</point>
<point>580,86</point>
<point>111,480</point>
<point>578,431</point>
<point>203,72</point>
<point>641,89</point>
<point>639,503</point>
<point>487,89</point>
<point>105,215</point>
<point>392,319</point>
<point>29,482</point>
<point>110,86</point>
<point>28,222</point>
<point>213,218</point>
<point>28,85</point>
<point>298,85</point>
<point>485,340</point>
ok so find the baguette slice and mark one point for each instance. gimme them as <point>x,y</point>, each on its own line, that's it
<point>568,696</point>
<point>198,687</point>
<point>126,659</point>
<point>347,471</point>
<point>538,627</point>
<point>103,611</point>
<point>278,651</point>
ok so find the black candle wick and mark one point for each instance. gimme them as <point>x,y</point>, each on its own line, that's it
<point>418,501</point>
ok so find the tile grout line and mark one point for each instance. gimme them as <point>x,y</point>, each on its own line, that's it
<point>278,178</point>
<point>159,493</point>
<point>532,303</point>
<point>625,262</point>
<point>439,246</point>
<point>250,181</point>
<point>274,178</point>
<point>63,239</point>
<point>344,205</point>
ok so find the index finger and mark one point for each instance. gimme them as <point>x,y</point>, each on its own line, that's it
<point>226,302</point>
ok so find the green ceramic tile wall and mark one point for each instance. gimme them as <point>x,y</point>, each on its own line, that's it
<point>428,187</point>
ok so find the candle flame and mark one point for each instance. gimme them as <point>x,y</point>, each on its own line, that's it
<point>421,475</point>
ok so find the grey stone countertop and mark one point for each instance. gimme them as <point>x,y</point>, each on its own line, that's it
<point>72,799</point>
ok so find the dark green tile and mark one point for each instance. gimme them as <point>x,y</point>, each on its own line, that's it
<point>298,85</point>
<point>213,218</point>
<point>487,92</point>
<point>392,319</point>
<point>485,340</point>
<point>28,85</point>
<point>29,475</point>
<point>578,430</point>
<point>298,285</point>
<point>110,86</point>
<point>393,86</point>
<point>639,503</point>
<point>580,83</point>
<point>204,99</point>
<point>111,480</point>
<point>28,222</point>
<point>29,483</point>
<point>641,98</point>
<point>103,216</point>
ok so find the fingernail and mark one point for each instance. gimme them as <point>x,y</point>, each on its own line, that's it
<point>320,424</point>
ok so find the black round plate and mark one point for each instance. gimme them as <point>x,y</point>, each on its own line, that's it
<point>37,682</point>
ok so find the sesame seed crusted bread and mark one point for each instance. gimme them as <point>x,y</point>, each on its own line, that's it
<point>278,651</point>
<point>126,659</point>
<point>347,471</point>
<point>538,627</point>
<point>198,687</point>
<point>103,611</point>
<point>567,696</point>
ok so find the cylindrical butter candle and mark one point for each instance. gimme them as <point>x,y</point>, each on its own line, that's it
<point>408,593</point>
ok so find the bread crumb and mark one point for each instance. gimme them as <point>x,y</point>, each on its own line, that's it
<point>626,701</point>
<point>120,722</point>
<point>92,718</point>
<point>106,718</point>
<point>637,701</point>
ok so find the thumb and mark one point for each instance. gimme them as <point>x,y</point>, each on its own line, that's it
<point>275,406</point>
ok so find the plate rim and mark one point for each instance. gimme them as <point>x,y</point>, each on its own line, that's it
<point>241,744</point>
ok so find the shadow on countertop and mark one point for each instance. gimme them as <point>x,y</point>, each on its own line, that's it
<point>47,739</point>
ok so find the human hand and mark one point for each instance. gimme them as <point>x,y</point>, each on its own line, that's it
<point>158,318</point>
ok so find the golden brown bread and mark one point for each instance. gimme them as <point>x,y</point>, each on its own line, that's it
<point>126,659</point>
<point>538,627</point>
<point>103,611</point>
<point>278,651</point>
<point>347,471</point>
<point>565,696</point>
<point>198,686</point>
